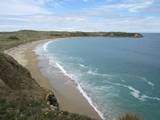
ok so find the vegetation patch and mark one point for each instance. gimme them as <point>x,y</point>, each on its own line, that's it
<point>13,38</point>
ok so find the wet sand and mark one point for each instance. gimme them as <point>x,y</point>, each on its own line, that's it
<point>69,97</point>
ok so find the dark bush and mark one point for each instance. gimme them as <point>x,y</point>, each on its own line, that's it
<point>13,38</point>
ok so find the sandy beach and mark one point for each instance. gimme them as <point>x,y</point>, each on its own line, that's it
<point>68,96</point>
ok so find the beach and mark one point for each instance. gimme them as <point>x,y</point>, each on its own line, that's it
<point>69,97</point>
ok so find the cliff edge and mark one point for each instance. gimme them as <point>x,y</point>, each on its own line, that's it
<point>21,98</point>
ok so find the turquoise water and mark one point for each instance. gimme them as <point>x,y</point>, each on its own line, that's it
<point>119,74</point>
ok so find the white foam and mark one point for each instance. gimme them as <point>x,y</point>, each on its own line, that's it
<point>62,69</point>
<point>90,101</point>
<point>80,89</point>
<point>150,83</point>
<point>83,66</point>
<point>38,50</point>
<point>143,79</point>
<point>98,74</point>
<point>152,98</point>
<point>122,80</point>
<point>136,93</point>
<point>46,45</point>
<point>56,64</point>
<point>147,81</point>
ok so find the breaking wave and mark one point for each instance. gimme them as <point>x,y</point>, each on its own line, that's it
<point>61,68</point>
<point>136,93</point>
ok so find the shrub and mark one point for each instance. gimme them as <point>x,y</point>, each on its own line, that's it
<point>13,38</point>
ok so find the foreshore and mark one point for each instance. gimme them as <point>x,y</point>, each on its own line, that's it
<point>69,97</point>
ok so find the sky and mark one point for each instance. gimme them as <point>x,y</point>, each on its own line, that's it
<point>80,15</point>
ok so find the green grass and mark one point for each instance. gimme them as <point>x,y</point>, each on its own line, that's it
<point>32,111</point>
<point>11,39</point>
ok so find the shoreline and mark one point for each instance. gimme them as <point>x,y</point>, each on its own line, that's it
<point>69,97</point>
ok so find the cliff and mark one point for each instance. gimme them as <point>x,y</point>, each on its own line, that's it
<point>21,98</point>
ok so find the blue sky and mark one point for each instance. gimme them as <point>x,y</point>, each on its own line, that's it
<point>80,15</point>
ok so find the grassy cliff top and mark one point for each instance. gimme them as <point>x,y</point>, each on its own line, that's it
<point>11,39</point>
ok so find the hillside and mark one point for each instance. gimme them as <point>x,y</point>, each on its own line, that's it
<point>11,39</point>
<point>23,99</point>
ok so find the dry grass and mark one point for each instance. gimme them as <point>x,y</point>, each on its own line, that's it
<point>129,117</point>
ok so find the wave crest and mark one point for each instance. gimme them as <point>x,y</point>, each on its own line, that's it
<point>136,93</point>
<point>98,74</point>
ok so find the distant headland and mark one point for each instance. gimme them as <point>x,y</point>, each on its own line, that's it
<point>76,33</point>
<point>11,39</point>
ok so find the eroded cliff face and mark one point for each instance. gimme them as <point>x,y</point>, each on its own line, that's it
<point>21,97</point>
<point>17,85</point>
<point>14,75</point>
<point>15,78</point>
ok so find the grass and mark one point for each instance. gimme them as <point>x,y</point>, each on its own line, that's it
<point>11,39</point>
<point>129,117</point>
<point>28,111</point>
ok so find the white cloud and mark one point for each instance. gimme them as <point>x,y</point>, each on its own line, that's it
<point>128,6</point>
<point>21,7</point>
<point>76,23</point>
<point>139,6</point>
<point>33,14</point>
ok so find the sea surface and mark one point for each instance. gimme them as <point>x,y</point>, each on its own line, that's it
<point>116,75</point>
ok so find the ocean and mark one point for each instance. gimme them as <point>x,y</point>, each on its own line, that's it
<point>116,75</point>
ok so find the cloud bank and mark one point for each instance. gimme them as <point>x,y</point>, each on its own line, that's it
<point>80,15</point>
